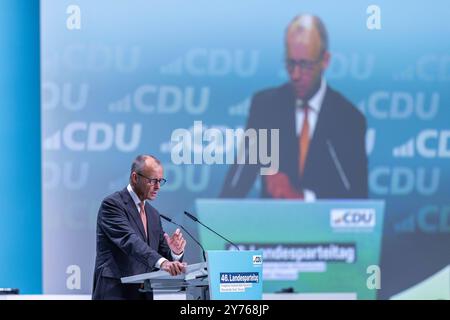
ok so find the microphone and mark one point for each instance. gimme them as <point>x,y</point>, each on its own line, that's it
<point>196,220</point>
<point>179,225</point>
<point>338,165</point>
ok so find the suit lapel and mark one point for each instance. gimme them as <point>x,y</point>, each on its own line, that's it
<point>152,226</point>
<point>290,122</point>
<point>288,134</point>
<point>133,212</point>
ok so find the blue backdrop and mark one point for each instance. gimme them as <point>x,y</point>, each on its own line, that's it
<point>137,70</point>
<point>20,186</point>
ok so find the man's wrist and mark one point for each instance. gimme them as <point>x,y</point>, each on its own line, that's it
<point>160,262</point>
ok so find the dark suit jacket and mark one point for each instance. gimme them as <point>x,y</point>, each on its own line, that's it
<point>336,163</point>
<point>122,248</point>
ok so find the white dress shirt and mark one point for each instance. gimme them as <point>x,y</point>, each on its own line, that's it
<point>137,201</point>
<point>315,104</point>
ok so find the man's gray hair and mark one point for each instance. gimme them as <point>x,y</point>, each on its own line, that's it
<point>318,24</point>
<point>139,163</point>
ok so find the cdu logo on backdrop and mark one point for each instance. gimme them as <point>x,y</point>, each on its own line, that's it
<point>352,218</point>
<point>95,136</point>
<point>429,143</point>
<point>214,62</point>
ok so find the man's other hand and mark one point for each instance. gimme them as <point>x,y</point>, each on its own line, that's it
<point>279,187</point>
<point>173,267</point>
<point>176,242</point>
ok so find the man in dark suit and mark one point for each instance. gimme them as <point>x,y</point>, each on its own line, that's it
<point>322,135</point>
<point>130,238</point>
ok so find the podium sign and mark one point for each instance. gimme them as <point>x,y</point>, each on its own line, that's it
<point>235,275</point>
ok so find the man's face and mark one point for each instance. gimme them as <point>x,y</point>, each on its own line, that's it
<point>143,186</point>
<point>304,62</point>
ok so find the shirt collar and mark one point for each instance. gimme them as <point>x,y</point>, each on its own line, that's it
<point>133,195</point>
<point>315,103</point>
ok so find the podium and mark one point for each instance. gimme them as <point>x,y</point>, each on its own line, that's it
<point>194,282</point>
<point>227,275</point>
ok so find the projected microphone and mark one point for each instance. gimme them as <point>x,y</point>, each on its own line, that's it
<point>338,165</point>
<point>179,225</point>
<point>196,220</point>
